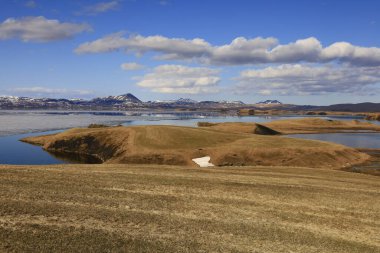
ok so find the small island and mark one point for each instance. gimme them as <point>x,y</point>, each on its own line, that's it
<point>227,144</point>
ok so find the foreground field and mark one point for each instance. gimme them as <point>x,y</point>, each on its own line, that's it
<point>125,208</point>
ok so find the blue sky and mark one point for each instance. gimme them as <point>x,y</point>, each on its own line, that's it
<point>303,52</point>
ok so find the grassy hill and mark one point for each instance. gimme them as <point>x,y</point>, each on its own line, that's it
<point>294,126</point>
<point>318,125</point>
<point>174,145</point>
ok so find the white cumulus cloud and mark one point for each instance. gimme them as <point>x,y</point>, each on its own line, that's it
<point>241,51</point>
<point>39,29</point>
<point>345,52</point>
<point>181,80</point>
<point>171,48</point>
<point>297,79</point>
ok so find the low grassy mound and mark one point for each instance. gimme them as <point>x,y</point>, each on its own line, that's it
<point>206,124</point>
<point>318,125</point>
<point>295,126</point>
<point>240,127</point>
<point>246,112</point>
<point>97,126</point>
<point>233,127</point>
<point>373,117</point>
<point>174,145</point>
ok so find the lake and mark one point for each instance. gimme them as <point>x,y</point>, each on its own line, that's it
<point>355,140</point>
<point>13,151</point>
<point>17,122</point>
<point>15,125</point>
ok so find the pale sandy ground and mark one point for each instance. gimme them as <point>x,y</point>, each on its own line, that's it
<point>203,161</point>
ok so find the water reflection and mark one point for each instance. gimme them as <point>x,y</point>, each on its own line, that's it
<point>75,158</point>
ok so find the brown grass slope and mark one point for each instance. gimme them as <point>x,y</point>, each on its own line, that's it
<point>318,125</point>
<point>240,127</point>
<point>141,208</point>
<point>296,126</point>
<point>373,117</point>
<point>173,145</point>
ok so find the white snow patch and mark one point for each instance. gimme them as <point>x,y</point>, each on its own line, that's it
<point>203,161</point>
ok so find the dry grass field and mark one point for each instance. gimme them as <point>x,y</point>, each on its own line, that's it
<point>152,208</point>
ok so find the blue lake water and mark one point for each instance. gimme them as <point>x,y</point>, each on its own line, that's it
<point>15,125</point>
<point>356,140</point>
<point>13,151</point>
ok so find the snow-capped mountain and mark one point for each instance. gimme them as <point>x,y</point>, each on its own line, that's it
<point>129,101</point>
<point>270,102</point>
<point>186,101</point>
<point>177,101</point>
<point>15,99</point>
<point>124,101</point>
<point>121,99</point>
<point>232,102</point>
<point>26,102</point>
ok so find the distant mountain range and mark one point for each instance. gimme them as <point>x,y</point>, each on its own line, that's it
<point>117,100</point>
<point>129,101</point>
<point>361,107</point>
<point>270,102</point>
<point>125,101</point>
